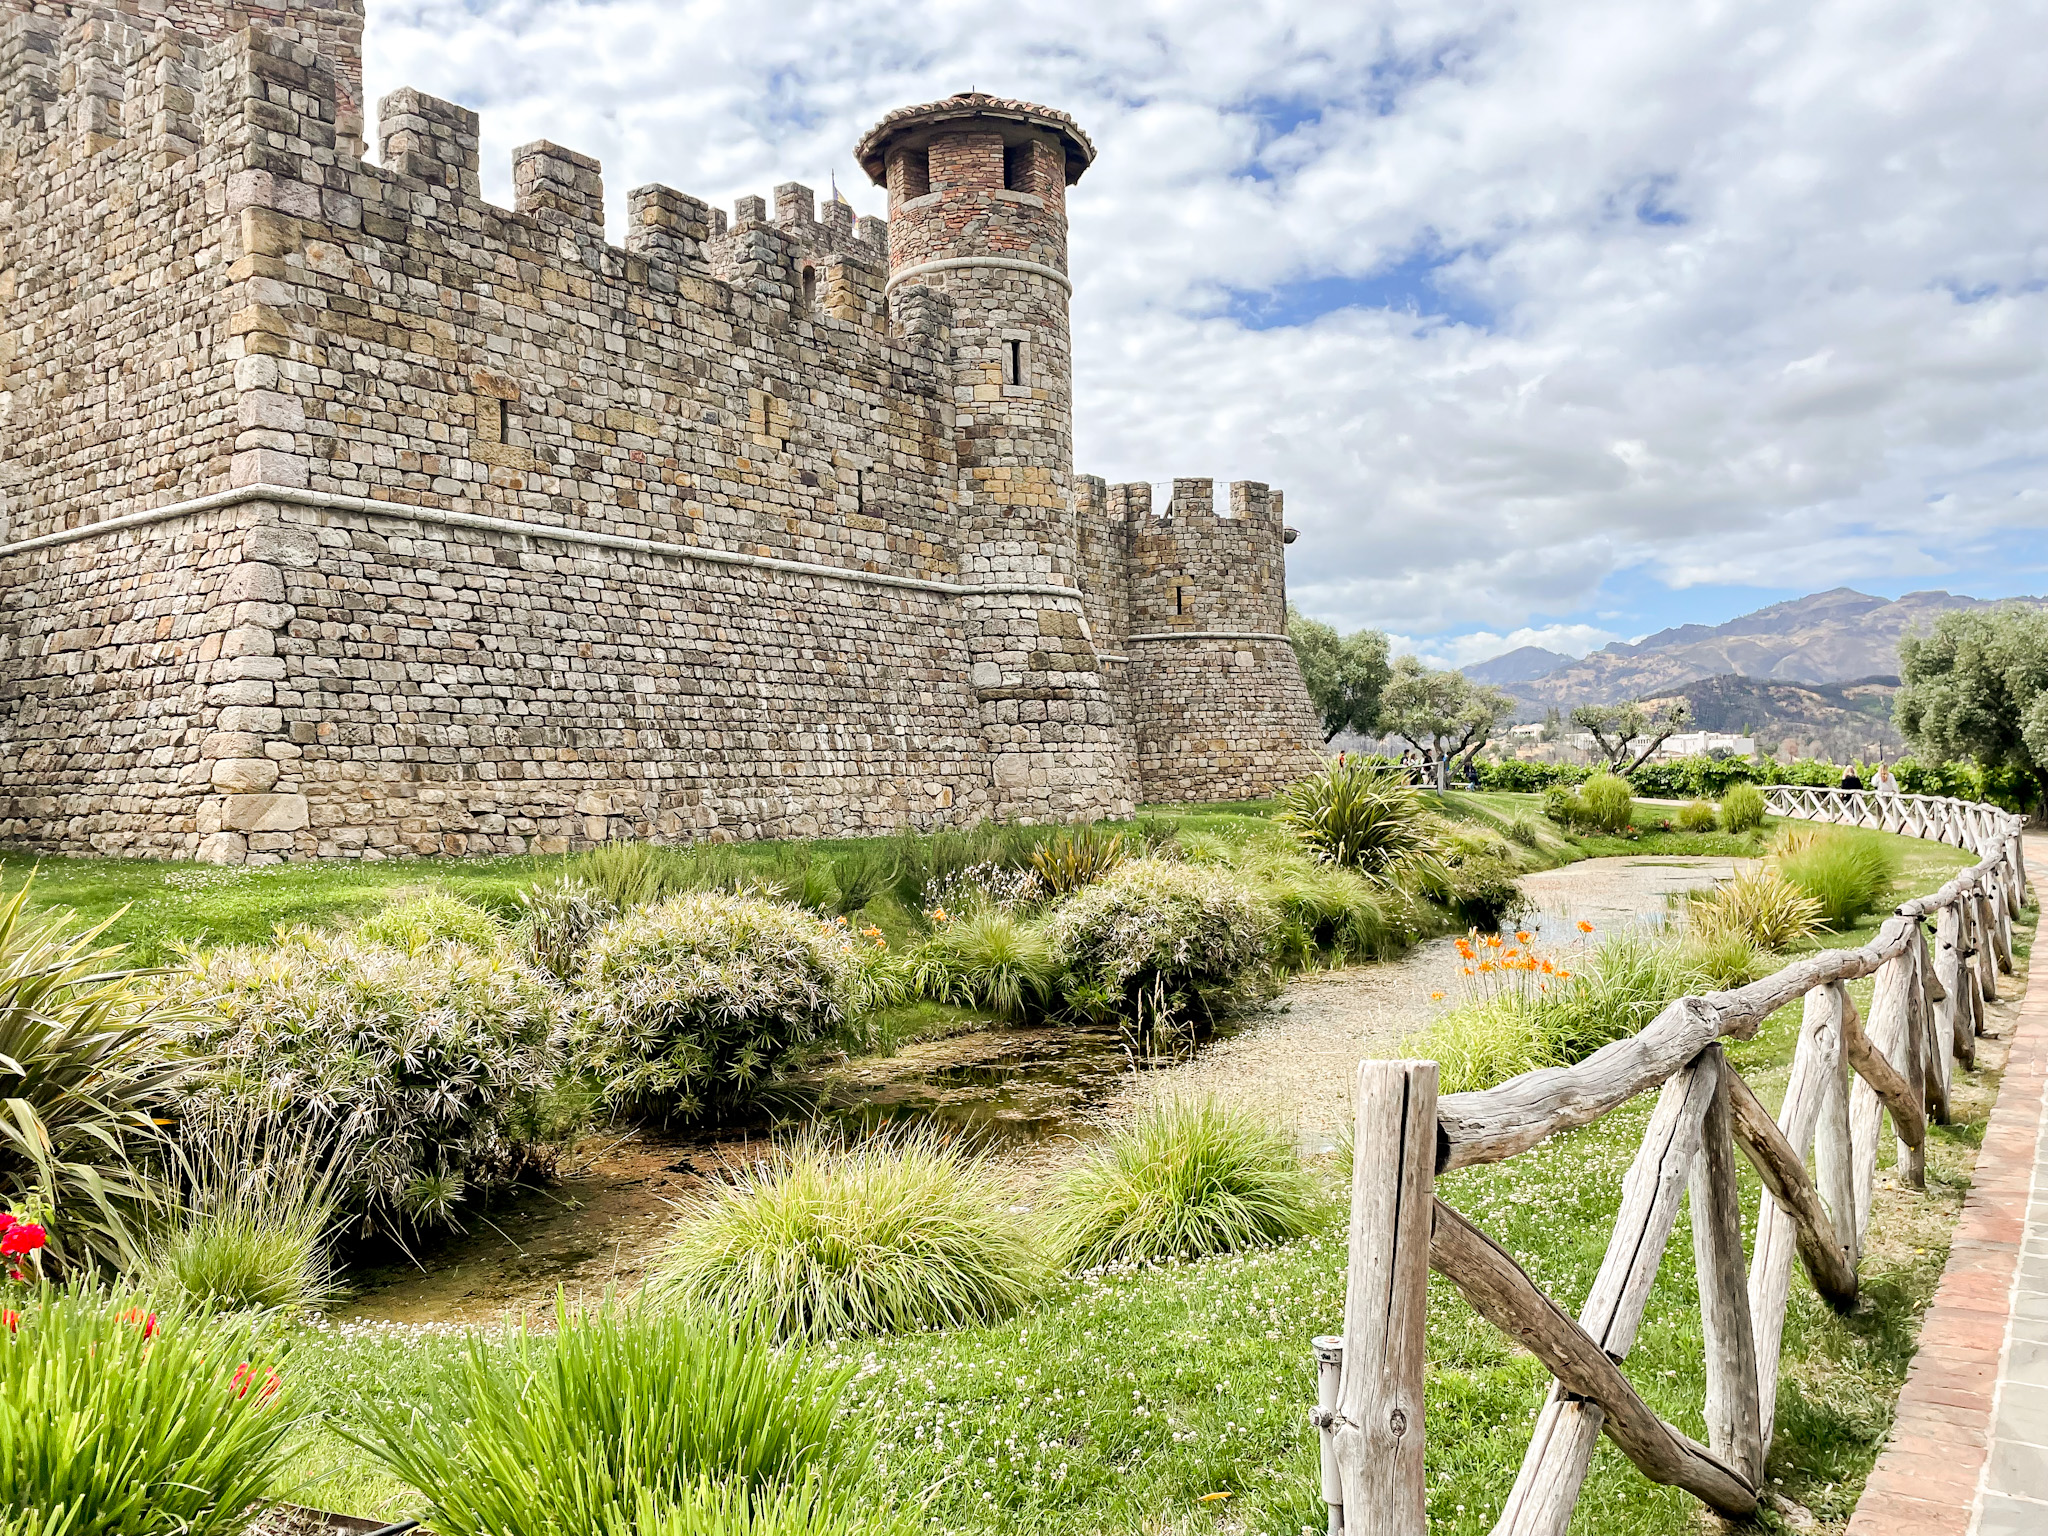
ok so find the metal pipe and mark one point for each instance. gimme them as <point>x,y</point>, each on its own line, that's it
<point>1329,1350</point>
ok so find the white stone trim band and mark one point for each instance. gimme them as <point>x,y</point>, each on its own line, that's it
<point>1208,634</point>
<point>954,263</point>
<point>330,501</point>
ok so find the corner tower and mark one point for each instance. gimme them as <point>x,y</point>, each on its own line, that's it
<point>977,210</point>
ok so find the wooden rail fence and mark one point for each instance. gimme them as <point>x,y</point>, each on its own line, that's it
<point>1847,1075</point>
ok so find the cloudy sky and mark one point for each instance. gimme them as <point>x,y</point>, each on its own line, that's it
<point>1557,320</point>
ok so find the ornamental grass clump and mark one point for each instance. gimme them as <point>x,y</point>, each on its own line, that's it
<point>83,1082</point>
<point>618,1420</point>
<point>432,1074</point>
<point>1760,904</point>
<point>891,1235</point>
<point>1361,815</point>
<point>1167,939</point>
<point>1609,804</point>
<point>1325,910</point>
<point>428,917</point>
<point>1186,1179</point>
<point>121,1416</point>
<point>689,1007</point>
<point>1742,807</point>
<point>992,958</point>
<point>1697,816</point>
<point>1847,872</point>
<point>1076,858</point>
<point>255,1208</point>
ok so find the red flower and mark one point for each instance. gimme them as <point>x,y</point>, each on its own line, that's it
<point>11,1318</point>
<point>246,1373</point>
<point>22,1237</point>
<point>7,1219</point>
<point>146,1319</point>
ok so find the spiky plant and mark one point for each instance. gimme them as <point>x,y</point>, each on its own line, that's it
<point>1760,904</point>
<point>83,1082</point>
<point>1363,816</point>
<point>1742,807</point>
<point>992,959</point>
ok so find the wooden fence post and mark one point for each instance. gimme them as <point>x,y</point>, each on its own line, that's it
<point>1818,1055</point>
<point>1936,1042</point>
<point>1733,1428</point>
<point>1378,1435</point>
<point>1949,968</point>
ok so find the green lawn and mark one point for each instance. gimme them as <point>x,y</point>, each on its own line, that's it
<point>1174,1399</point>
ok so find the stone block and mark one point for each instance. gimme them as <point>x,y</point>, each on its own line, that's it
<point>244,775</point>
<point>265,813</point>
<point>223,848</point>
<point>296,549</point>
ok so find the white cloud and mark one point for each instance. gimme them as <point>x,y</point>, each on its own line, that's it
<point>1767,283</point>
<point>1484,645</point>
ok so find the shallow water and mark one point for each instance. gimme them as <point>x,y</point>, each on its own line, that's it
<point>1023,1091</point>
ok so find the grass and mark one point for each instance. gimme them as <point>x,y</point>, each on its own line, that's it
<point>253,1223</point>
<point>1846,872</point>
<point>1187,1178</point>
<point>888,1236</point>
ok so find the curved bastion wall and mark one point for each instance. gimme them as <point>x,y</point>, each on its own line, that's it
<point>347,514</point>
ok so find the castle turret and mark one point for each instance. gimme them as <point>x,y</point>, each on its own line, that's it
<point>977,210</point>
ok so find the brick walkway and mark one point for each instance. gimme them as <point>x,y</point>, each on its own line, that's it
<point>1968,1454</point>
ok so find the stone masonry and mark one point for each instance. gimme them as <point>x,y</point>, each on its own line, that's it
<point>344,514</point>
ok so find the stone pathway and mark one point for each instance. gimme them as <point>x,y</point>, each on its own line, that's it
<point>1968,1453</point>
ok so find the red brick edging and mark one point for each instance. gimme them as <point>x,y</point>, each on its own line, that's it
<point>1926,1482</point>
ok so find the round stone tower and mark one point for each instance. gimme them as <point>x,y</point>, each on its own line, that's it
<point>977,210</point>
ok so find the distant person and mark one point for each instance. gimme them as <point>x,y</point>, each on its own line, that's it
<point>1471,774</point>
<point>1849,778</point>
<point>1886,784</point>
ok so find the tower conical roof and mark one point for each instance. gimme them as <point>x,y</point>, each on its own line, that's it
<point>918,122</point>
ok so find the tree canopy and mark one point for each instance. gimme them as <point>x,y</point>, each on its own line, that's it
<point>1442,714</point>
<point>1977,687</point>
<point>1346,674</point>
<point>1619,728</point>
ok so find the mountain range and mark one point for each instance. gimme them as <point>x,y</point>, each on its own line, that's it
<point>1835,637</point>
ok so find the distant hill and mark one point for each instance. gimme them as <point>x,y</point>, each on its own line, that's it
<point>1838,721</point>
<point>1517,666</point>
<point>1828,637</point>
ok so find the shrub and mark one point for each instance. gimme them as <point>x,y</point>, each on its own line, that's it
<point>1697,816</point>
<point>436,1066</point>
<point>1363,816</point>
<point>990,959</point>
<point>690,1006</point>
<point>861,875</point>
<point>627,875</point>
<point>1847,872</point>
<point>428,917</point>
<point>1323,908</point>
<point>1760,904</point>
<point>254,1215</point>
<point>1475,878</point>
<point>1076,858</point>
<point>1609,803</point>
<point>891,1235</point>
<point>1189,1177</point>
<point>618,1420</point>
<point>1742,807</point>
<point>1561,805</point>
<point>1522,830</point>
<point>1174,938</point>
<point>128,1422</point>
<point>81,1075</point>
<point>558,921</point>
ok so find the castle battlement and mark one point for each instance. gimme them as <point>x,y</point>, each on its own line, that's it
<point>347,513</point>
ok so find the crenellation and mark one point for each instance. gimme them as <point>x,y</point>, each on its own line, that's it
<point>480,534</point>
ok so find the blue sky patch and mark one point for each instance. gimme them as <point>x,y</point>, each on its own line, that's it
<point>1408,286</point>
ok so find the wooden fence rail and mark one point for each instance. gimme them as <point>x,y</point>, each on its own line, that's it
<point>1848,1075</point>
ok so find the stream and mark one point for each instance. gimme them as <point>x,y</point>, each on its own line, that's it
<point>1032,1093</point>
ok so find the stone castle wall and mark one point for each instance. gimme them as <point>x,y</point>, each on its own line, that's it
<point>352,515</point>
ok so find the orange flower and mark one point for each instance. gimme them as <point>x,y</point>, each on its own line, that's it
<point>1547,968</point>
<point>1493,941</point>
<point>1468,970</point>
<point>1564,975</point>
<point>1584,926</point>
<point>1436,997</point>
<point>1523,935</point>
<point>1486,966</point>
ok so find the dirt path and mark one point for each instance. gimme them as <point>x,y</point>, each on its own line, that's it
<point>1298,1064</point>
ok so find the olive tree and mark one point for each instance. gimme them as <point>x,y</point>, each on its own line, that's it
<point>1618,728</point>
<point>1443,715</point>
<point>1977,687</point>
<point>1346,674</point>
